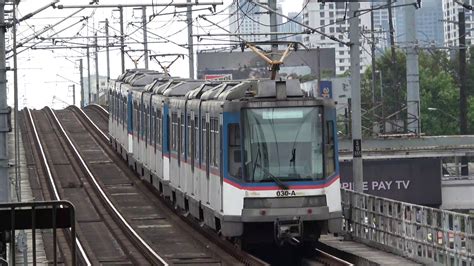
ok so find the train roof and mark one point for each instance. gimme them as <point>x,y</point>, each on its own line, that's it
<point>231,90</point>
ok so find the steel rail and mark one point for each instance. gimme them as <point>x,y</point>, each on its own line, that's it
<point>53,185</point>
<point>337,260</point>
<point>104,196</point>
<point>100,107</point>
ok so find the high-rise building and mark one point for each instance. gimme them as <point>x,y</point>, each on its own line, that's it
<point>381,28</point>
<point>291,26</point>
<point>247,18</point>
<point>332,19</point>
<point>451,11</point>
<point>429,24</point>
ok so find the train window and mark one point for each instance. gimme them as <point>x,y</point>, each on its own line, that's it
<point>158,127</point>
<point>203,141</point>
<point>146,127</point>
<point>192,141</point>
<point>234,156</point>
<point>196,138</point>
<point>329,149</point>
<point>189,138</point>
<point>182,139</point>
<point>214,149</point>
<point>151,137</point>
<point>283,142</point>
<point>174,131</point>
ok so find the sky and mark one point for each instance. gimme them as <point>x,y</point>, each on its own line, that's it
<point>46,76</point>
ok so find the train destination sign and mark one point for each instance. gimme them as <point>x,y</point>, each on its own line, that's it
<point>399,179</point>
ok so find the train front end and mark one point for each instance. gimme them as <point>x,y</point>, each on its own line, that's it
<point>283,175</point>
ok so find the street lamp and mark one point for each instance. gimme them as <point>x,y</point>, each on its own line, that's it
<point>447,114</point>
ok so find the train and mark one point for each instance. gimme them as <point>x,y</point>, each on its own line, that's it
<point>254,160</point>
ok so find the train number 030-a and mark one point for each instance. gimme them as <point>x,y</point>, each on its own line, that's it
<point>285,193</point>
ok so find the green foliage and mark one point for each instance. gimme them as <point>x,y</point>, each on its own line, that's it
<point>439,91</point>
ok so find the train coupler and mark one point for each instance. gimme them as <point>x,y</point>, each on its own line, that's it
<point>288,232</point>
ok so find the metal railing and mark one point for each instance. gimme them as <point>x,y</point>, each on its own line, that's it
<point>35,216</point>
<point>426,235</point>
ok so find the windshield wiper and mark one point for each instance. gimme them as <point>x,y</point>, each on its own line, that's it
<point>274,178</point>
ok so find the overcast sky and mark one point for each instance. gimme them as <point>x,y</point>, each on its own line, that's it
<point>45,74</point>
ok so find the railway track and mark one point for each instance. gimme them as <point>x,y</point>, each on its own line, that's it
<point>167,233</point>
<point>68,178</point>
<point>324,258</point>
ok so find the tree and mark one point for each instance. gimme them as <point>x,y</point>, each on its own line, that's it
<point>439,92</point>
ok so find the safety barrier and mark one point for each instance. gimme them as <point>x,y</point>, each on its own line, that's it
<point>35,216</point>
<point>426,235</point>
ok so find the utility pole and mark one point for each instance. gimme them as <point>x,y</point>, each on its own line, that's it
<point>189,20</point>
<point>4,113</point>
<point>413,77</point>
<point>390,25</point>
<point>372,51</point>
<point>354,33</point>
<point>107,48</point>
<point>15,109</point>
<point>122,40</point>
<point>97,88</point>
<point>145,37</point>
<point>463,90</point>
<point>81,78</point>
<point>73,94</point>
<point>88,76</point>
<point>273,26</point>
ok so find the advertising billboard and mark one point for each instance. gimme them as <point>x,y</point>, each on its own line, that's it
<point>247,64</point>
<point>414,180</point>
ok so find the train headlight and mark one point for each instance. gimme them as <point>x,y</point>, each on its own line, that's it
<point>315,201</point>
<point>256,203</point>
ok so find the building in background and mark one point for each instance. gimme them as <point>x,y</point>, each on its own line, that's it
<point>290,26</point>
<point>429,24</point>
<point>247,18</point>
<point>332,18</point>
<point>381,28</point>
<point>450,18</point>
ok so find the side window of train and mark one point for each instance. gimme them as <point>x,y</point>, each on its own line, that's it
<point>196,138</point>
<point>158,127</point>
<point>189,130</point>
<point>329,148</point>
<point>234,156</point>
<point>174,131</point>
<point>182,138</point>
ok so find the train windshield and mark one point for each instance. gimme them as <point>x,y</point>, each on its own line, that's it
<point>283,144</point>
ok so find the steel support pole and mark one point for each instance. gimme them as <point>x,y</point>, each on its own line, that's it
<point>88,75</point>
<point>97,82</point>
<point>4,113</point>
<point>107,49</point>
<point>145,37</point>
<point>354,33</point>
<point>463,90</point>
<point>189,20</point>
<point>413,77</point>
<point>73,94</point>
<point>122,40</point>
<point>81,78</point>
<point>372,52</point>
<point>15,108</point>
<point>273,26</point>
